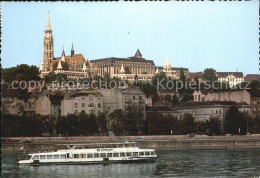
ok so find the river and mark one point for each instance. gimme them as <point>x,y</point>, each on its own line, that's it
<point>195,163</point>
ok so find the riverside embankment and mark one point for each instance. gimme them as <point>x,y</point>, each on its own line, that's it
<point>172,142</point>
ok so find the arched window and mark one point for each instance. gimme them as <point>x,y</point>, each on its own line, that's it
<point>91,105</point>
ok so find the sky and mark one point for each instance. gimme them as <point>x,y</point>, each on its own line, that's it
<point>195,35</point>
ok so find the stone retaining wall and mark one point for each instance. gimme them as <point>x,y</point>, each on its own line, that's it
<point>183,142</point>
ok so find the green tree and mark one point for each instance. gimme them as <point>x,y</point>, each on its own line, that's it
<point>61,77</point>
<point>175,100</point>
<point>160,79</point>
<point>69,125</point>
<point>50,77</point>
<point>213,124</point>
<point>92,124</point>
<point>102,123</point>
<point>235,120</point>
<point>210,75</point>
<point>187,124</point>
<point>117,121</point>
<point>21,72</point>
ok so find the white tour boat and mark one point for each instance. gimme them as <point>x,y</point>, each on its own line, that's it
<point>91,153</point>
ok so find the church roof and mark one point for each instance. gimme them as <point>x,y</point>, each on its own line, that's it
<point>76,58</point>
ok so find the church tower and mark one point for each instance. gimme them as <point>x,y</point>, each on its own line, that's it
<point>48,46</point>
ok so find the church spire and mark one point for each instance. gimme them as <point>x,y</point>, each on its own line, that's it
<point>72,50</point>
<point>48,24</point>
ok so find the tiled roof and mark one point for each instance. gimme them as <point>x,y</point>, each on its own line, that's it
<point>250,77</point>
<point>86,92</point>
<point>114,59</point>
<point>254,92</point>
<point>225,74</point>
<point>76,58</point>
<point>195,74</point>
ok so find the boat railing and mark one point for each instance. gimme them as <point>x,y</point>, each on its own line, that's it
<point>72,146</point>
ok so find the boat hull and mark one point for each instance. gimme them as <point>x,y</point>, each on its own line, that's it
<point>133,160</point>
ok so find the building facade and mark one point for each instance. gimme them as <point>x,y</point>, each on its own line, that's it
<point>88,101</point>
<point>132,102</point>
<point>232,78</point>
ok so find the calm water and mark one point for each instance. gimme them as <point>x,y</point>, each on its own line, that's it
<point>198,163</point>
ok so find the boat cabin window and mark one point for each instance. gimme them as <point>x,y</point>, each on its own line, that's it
<point>49,156</point>
<point>90,155</point>
<point>96,155</point>
<point>102,155</point>
<point>27,157</point>
<point>82,155</point>
<point>141,153</point>
<point>62,156</point>
<point>147,153</point>
<point>42,157</point>
<point>122,154</point>
<point>36,157</point>
<point>135,153</point>
<point>120,145</point>
<point>115,155</point>
<point>56,157</point>
<point>129,154</point>
<point>152,153</point>
<point>109,154</point>
<point>76,155</point>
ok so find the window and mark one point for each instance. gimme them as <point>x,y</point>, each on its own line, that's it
<point>96,155</point>
<point>128,154</point>
<point>76,155</point>
<point>122,154</point>
<point>147,153</point>
<point>75,105</point>
<point>82,155</point>
<point>90,156</point>
<point>134,97</point>
<point>152,153</point>
<point>49,156</point>
<point>91,105</point>
<point>56,157</point>
<point>99,105</point>
<point>42,157</point>
<point>135,153</point>
<point>102,155</point>
<point>115,155</point>
<point>109,154</point>
<point>83,105</point>
<point>36,157</point>
<point>62,156</point>
<point>216,111</point>
<point>141,153</point>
